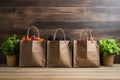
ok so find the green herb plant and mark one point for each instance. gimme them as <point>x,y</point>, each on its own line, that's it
<point>109,47</point>
<point>10,46</point>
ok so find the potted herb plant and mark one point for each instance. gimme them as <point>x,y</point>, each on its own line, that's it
<point>109,48</point>
<point>10,48</point>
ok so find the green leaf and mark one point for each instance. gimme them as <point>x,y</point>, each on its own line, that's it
<point>10,46</point>
<point>109,47</point>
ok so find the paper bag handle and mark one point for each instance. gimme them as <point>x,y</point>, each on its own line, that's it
<point>88,31</point>
<point>31,28</point>
<point>60,29</point>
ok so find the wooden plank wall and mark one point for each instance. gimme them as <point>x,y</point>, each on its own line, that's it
<point>102,16</point>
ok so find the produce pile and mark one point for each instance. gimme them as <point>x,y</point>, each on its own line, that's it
<point>32,38</point>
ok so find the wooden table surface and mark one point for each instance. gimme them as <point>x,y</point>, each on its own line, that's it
<point>102,73</point>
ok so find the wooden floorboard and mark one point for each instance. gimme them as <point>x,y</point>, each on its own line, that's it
<point>102,73</point>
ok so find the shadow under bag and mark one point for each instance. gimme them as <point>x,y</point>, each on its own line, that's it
<point>86,51</point>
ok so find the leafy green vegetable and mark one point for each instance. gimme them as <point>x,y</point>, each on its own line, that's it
<point>109,47</point>
<point>10,46</point>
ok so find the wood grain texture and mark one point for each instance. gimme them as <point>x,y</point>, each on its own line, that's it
<point>102,16</point>
<point>6,10</point>
<point>66,3</point>
<point>5,3</point>
<point>69,14</point>
<point>102,73</point>
<point>60,3</point>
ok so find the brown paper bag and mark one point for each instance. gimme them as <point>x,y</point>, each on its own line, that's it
<point>86,52</point>
<point>32,53</point>
<point>59,53</point>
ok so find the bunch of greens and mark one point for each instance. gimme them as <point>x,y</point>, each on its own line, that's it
<point>10,46</point>
<point>109,47</point>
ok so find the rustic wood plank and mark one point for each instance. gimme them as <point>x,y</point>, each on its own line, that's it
<point>67,3</point>
<point>74,29</point>
<point>59,3</point>
<point>65,25</point>
<point>7,3</point>
<point>62,10</point>
<point>71,17</point>
<point>69,14</point>
<point>102,73</point>
<point>77,25</point>
<point>6,10</point>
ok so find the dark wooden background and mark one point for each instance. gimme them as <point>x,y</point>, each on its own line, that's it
<point>102,16</point>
